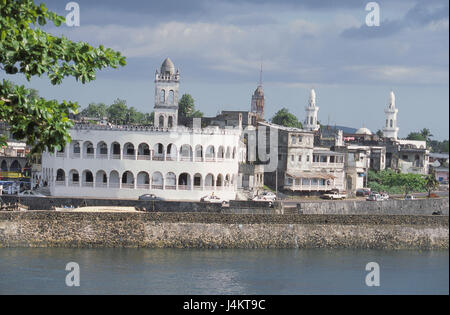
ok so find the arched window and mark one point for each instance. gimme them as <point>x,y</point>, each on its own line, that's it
<point>88,149</point>
<point>114,181</point>
<point>143,180</point>
<point>102,150</point>
<point>171,97</point>
<point>197,181</point>
<point>387,122</point>
<point>209,181</point>
<point>185,152</point>
<point>127,180</point>
<point>115,150</point>
<point>158,152</point>
<point>219,181</point>
<point>198,152</point>
<point>184,181</point>
<point>157,180</point>
<point>128,151</point>
<point>88,178</point>
<point>221,153</point>
<point>162,98</point>
<point>170,122</point>
<point>171,152</point>
<point>15,166</point>
<point>4,166</point>
<point>210,153</point>
<point>171,181</point>
<point>161,121</point>
<point>60,176</point>
<point>392,123</point>
<point>101,180</point>
<point>143,151</point>
<point>310,120</point>
<point>74,178</point>
<point>228,154</point>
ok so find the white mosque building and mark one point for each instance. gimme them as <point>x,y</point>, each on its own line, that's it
<point>170,161</point>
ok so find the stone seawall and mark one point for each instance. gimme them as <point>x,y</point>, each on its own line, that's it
<point>419,206</point>
<point>216,230</point>
<point>393,206</point>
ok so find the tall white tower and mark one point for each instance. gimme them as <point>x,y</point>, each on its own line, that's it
<point>391,130</point>
<point>167,84</point>
<point>311,113</point>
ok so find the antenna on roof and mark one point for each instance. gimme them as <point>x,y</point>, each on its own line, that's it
<point>260,75</point>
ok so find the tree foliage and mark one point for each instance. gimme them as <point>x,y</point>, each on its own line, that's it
<point>284,118</point>
<point>186,107</point>
<point>27,49</point>
<point>94,110</point>
<point>395,183</point>
<point>425,135</point>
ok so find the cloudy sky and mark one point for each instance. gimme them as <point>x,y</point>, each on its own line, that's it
<point>218,46</point>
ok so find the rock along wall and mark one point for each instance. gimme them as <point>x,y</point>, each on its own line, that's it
<point>216,230</point>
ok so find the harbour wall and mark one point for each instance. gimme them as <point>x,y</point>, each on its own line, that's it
<point>218,230</point>
<point>394,206</point>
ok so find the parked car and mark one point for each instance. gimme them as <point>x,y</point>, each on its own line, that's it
<point>31,193</point>
<point>409,197</point>
<point>374,197</point>
<point>385,196</point>
<point>214,199</point>
<point>363,192</point>
<point>150,197</point>
<point>265,196</point>
<point>334,196</point>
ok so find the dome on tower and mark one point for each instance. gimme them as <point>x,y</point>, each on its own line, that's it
<point>167,67</point>
<point>363,131</point>
<point>259,91</point>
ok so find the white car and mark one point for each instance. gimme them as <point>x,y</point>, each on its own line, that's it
<point>214,199</point>
<point>410,197</point>
<point>265,196</point>
<point>31,193</point>
<point>334,196</point>
<point>384,196</point>
<point>374,197</point>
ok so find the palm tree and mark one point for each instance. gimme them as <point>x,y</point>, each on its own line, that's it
<point>426,133</point>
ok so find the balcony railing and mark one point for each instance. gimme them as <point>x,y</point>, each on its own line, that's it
<point>129,157</point>
<point>143,186</point>
<point>89,155</point>
<point>184,187</point>
<point>158,158</point>
<point>101,185</point>
<point>157,186</point>
<point>128,185</point>
<point>102,156</point>
<point>171,187</point>
<point>74,184</point>
<point>114,185</point>
<point>115,156</point>
<point>60,183</point>
<point>143,157</point>
<point>88,184</point>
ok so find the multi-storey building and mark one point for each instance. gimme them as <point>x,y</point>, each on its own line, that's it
<point>171,161</point>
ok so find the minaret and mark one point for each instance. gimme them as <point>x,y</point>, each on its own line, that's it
<point>311,113</point>
<point>257,105</point>
<point>167,84</point>
<point>391,130</point>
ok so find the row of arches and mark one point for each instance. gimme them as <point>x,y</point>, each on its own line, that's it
<point>144,180</point>
<point>145,152</point>
<point>14,167</point>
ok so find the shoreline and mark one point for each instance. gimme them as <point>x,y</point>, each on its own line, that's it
<point>218,230</point>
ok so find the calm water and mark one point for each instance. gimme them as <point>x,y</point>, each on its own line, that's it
<point>177,271</point>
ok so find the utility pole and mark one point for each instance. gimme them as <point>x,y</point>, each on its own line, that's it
<point>276,182</point>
